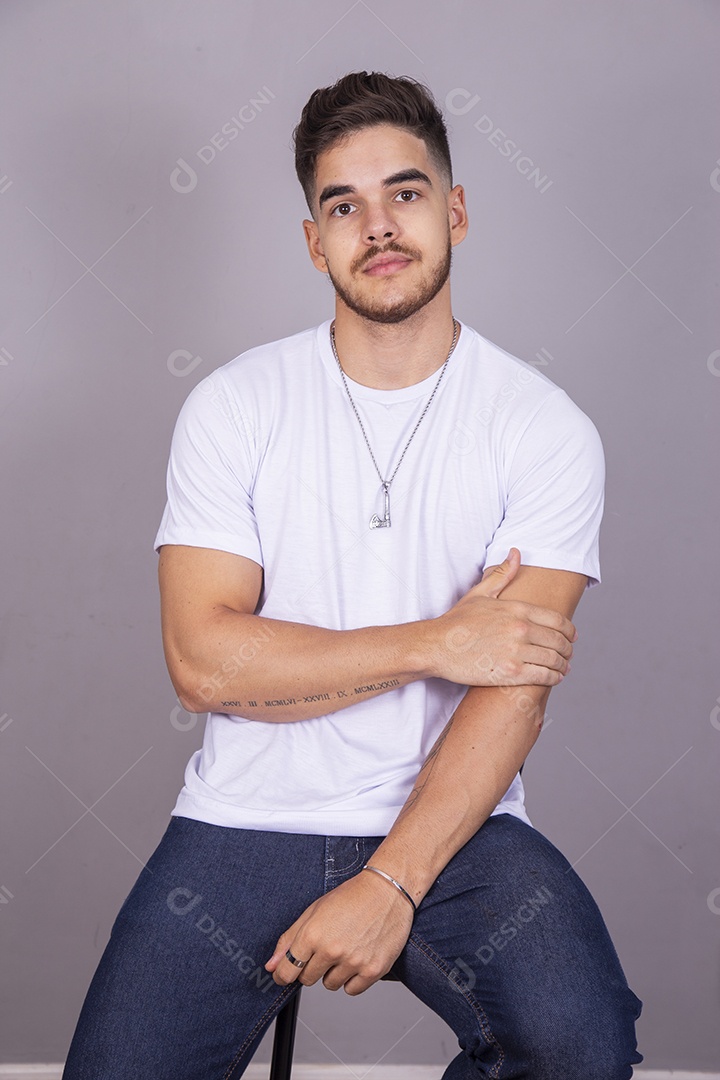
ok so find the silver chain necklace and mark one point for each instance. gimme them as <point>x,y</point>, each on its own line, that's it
<point>384,521</point>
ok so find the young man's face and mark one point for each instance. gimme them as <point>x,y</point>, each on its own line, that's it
<point>385,223</point>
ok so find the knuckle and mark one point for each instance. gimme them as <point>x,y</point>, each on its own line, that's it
<point>511,669</point>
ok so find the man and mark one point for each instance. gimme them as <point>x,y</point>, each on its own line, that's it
<point>333,500</point>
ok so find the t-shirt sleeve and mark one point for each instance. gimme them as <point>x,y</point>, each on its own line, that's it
<point>210,476</point>
<point>554,492</point>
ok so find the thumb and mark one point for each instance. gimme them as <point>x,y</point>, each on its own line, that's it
<point>496,578</point>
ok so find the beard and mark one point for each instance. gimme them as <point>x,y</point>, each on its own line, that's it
<point>387,311</point>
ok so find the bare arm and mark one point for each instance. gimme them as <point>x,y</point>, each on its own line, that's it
<point>475,758</point>
<point>224,658</point>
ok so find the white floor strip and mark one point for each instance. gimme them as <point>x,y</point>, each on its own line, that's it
<point>337,1072</point>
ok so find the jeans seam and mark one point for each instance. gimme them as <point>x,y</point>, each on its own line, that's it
<point>480,1014</point>
<point>328,860</point>
<point>354,862</point>
<point>272,1011</point>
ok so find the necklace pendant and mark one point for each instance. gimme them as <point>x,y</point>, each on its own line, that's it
<point>377,522</point>
<point>382,522</point>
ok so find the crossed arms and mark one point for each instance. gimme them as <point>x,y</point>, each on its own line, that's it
<point>509,651</point>
<point>223,658</point>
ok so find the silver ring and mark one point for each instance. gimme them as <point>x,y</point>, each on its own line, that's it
<point>298,963</point>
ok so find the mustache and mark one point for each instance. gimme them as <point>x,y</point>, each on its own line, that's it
<point>375,250</point>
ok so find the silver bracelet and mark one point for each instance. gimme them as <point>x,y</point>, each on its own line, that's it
<point>392,881</point>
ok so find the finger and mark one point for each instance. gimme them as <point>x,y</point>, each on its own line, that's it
<point>531,665</point>
<point>284,971</point>
<point>533,675</point>
<point>285,940</point>
<point>358,984</point>
<point>335,977</point>
<point>283,943</point>
<point>536,656</point>
<point>542,616</point>
<point>495,578</point>
<point>274,959</point>
<point>544,637</point>
<point>518,674</point>
<point>348,978</point>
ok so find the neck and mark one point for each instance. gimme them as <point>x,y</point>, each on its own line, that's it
<point>389,356</point>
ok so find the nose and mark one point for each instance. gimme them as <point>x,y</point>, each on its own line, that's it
<point>380,226</point>
<point>385,236</point>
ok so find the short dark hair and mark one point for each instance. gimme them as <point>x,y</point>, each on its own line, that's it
<point>360,100</point>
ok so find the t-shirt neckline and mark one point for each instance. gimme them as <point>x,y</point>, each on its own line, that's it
<point>403,393</point>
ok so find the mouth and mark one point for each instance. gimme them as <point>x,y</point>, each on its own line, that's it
<point>386,264</point>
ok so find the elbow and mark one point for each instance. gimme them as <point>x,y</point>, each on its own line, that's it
<point>189,703</point>
<point>196,684</point>
<point>194,694</point>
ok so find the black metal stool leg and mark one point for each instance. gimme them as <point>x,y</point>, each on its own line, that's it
<point>284,1041</point>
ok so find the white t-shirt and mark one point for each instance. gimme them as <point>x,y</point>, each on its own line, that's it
<point>268,461</point>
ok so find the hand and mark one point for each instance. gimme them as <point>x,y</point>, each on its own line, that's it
<point>349,937</point>
<point>486,641</point>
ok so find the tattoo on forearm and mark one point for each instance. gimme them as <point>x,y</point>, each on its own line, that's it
<point>311,699</point>
<point>427,768</point>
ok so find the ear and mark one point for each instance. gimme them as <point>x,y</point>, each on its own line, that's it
<point>457,214</point>
<point>312,239</point>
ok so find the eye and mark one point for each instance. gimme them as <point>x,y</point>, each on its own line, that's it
<point>342,210</point>
<point>413,196</point>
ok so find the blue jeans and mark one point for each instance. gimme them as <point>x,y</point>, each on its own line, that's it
<point>508,947</point>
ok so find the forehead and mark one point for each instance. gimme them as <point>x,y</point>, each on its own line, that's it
<point>367,156</point>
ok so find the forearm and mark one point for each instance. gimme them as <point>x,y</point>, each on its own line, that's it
<point>271,670</point>
<point>461,782</point>
<point>224,658</point>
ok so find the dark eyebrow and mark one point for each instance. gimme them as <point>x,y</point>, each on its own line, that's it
<point>333,191</point>
<point>406,176</point>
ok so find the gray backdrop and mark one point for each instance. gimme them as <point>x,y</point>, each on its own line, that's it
<point>142,248</point>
